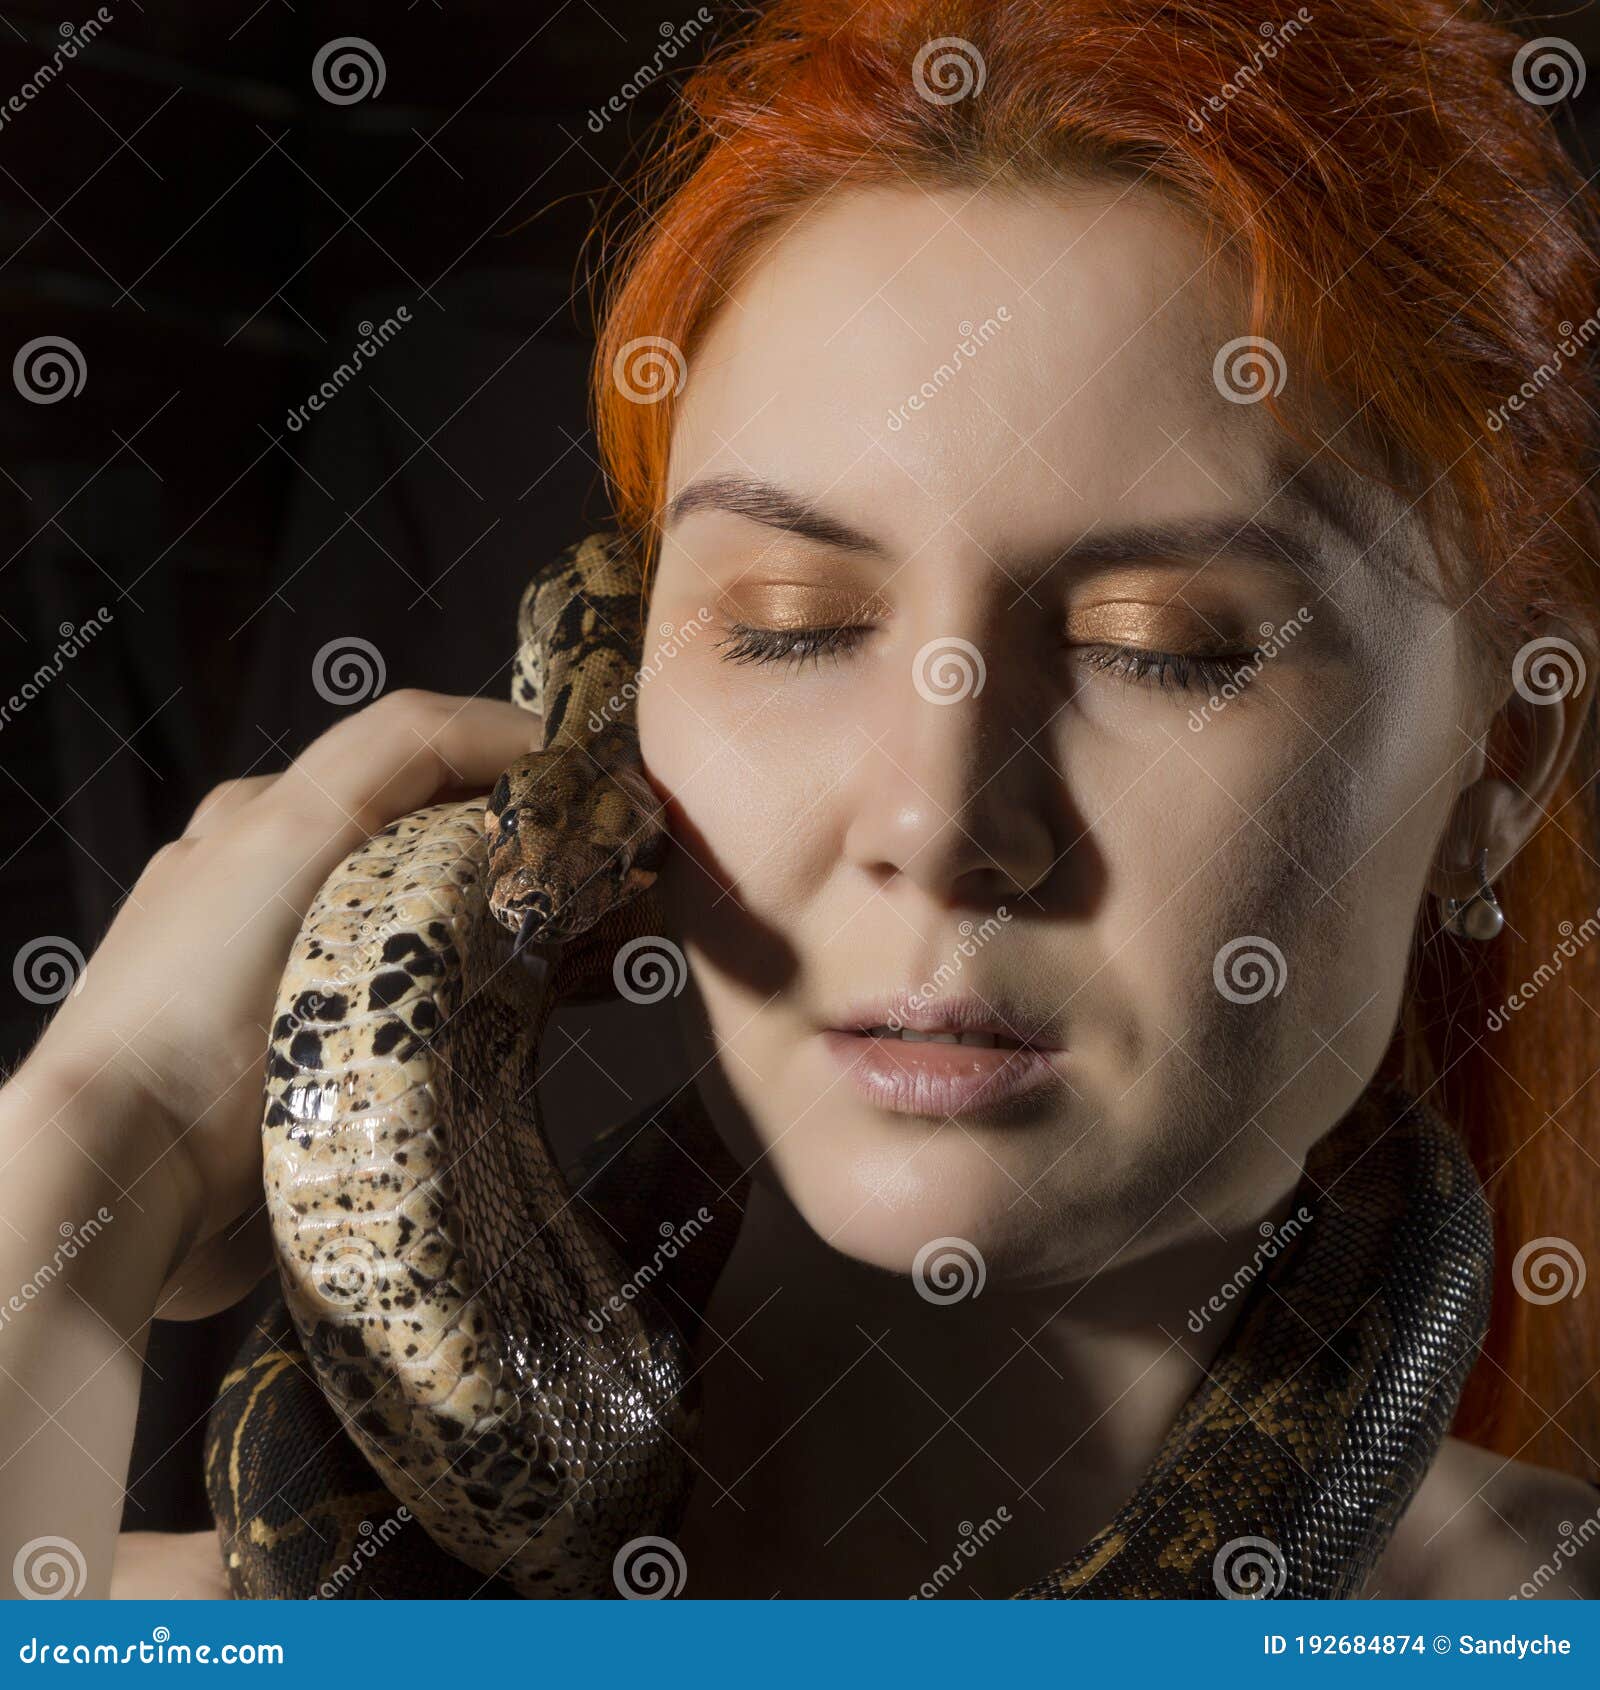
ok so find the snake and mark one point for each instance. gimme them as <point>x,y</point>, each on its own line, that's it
<point>478,1380</point>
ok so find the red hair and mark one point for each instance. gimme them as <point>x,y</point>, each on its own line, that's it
<point>1407,221</point>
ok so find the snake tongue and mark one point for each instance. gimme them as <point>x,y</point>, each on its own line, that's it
<point>532,921</point>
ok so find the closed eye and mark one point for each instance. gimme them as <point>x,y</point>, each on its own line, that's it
<point>1173,670</point>
<point>1137,665</point>
<point>746,644</point>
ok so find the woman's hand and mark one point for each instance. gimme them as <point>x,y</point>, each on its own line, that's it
<point>175,1006</point>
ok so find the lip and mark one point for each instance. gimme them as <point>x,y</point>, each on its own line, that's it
<point>944,1081</point>
<point>969,1012</point>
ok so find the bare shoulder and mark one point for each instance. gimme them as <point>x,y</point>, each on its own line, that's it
<point>165,1565</point>
<point>1481,1526</point>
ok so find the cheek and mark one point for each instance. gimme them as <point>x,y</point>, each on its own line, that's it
<point>734,888</point>
<point>1261,879</point>
<point>748,794</point>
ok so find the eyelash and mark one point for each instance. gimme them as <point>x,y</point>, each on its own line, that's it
<point>789,645</point>
<point>1133,664</point>
<point>1194,674</point>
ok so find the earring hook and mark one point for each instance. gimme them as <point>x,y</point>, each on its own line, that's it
<point>1479,916</point>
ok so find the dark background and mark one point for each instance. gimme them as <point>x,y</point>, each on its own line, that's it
<point>184,206</point>
<point>210,232</point>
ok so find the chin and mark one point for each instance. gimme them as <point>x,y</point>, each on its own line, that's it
<point>886,1198</point>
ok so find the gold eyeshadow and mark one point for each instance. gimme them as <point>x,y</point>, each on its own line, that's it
<point>800,604</point>
<point>1161,626</point>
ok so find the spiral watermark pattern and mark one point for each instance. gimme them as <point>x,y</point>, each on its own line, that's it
<point>649,969</point>
<point>1547,670</point>
<point>1250,968</point>
<point>1549,1270</point>
<point>948,1270</point>
<point>49,369</point>
<point>948,670</point>
<point>1249,1567</point>
<point>649,369</point>
<point>347,70</point>
<point>348,670</point>
<point>46,969</point>
<point>1250,369</point>
<point>49,1569</point>
<point>344,1271</point>
<point>1548,71</point>
<point>649,1569</point>
<point>948,69</point>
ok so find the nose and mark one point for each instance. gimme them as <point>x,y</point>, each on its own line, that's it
<point>956,791</point>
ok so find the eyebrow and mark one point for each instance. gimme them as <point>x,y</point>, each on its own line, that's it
<point>775,506</point>
<point>1201,538</point>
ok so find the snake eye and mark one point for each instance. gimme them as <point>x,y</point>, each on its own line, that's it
<point>508,822</point>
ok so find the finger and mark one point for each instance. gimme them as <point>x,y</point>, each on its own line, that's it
<point>222,800</point>
<point>396,756</point>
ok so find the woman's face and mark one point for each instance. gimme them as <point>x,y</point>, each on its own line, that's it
<point>990,437</point>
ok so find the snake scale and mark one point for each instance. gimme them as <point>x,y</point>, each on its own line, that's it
<point>466,1391</point>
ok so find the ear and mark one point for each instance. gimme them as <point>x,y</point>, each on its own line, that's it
<point>1546,697</point>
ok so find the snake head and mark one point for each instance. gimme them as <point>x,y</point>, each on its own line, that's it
<point>573,832</point>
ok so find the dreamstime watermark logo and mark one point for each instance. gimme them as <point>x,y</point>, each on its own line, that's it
<point>948,69</point>
<point>1574,341</point>
<point>46,969</point>
<point>1273,640</point>
<point>674,37</point>
<point>74,1238</point>
<point>974,936</point>
<point>48,369</point>
<point>1250,369</point>
<point>649,369</point>
<point>1274,1241</point>
<point>1546,971</point>
<point>649,968</point>
<point>973,340</point>
<point>649,1568</point>
<point>673,1240</point>
<point>1249,1567</point>
<point>344,1271</point>
<point>49,1569</point>
<point>1548,70</point>
<point>369,1540</point>
<point>673,639</point>
<point>348,670</point>
<point>948,1270</point>
<point>347,70</point>
<point>973,1538</point>
<point>1273,36</point>
<point>1248,969</point>
<point>74,38</point>
<point>1549,1270</point>
<point>1573,1538</point>
<point>947,670</point>
<point>372,342</point>
<point>73,640</point>
<point>1548,669</point>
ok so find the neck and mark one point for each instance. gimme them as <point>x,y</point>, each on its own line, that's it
<point>860,1440</point>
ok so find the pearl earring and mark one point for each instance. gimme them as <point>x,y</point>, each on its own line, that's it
<point>1480,916</point>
